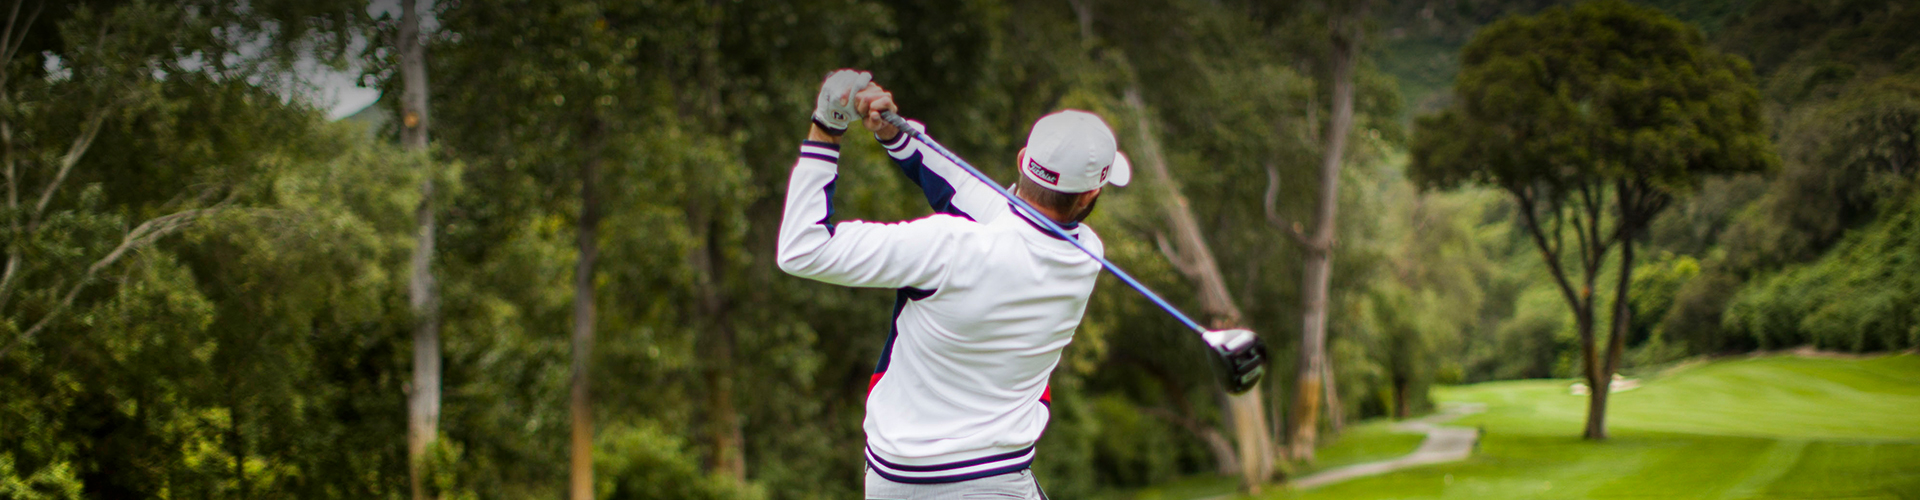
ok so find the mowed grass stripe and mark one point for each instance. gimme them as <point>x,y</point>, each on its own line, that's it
<point>1870,470</point>
<point>1873,399</point>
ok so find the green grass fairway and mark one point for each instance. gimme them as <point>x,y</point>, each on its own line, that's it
<point>1782,396</point>
<point>1777,427</point>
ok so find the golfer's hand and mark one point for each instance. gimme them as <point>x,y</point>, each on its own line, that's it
<point>870,102</point>
<point>835,108</point>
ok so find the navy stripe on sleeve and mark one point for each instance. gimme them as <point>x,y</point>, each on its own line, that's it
<point>828,219</point>
<point>939,192</point>
<point>898,143</point>
<point>823,151</point>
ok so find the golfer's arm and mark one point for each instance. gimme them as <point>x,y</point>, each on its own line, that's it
<point>949,189</point>
<point>854,253</point>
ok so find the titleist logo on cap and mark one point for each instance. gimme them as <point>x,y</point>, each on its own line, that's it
<point>1042,173</point>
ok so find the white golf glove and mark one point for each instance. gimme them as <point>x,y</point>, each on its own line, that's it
<point>834,109</point>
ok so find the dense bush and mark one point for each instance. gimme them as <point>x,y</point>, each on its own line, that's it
<point>1858,297</point>
<point>644,462</point>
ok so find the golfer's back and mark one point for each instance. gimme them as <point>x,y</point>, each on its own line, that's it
<point>986,301</point>
<point>961,387</point>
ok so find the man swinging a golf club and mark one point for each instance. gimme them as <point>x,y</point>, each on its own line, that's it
<point>990,289</point>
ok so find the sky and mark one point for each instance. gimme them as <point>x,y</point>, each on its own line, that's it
<point>338,91</point>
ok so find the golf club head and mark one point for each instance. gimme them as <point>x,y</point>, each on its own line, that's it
<point>1241,366</point>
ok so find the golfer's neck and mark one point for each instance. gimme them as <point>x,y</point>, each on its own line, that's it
<point>1052,215</point>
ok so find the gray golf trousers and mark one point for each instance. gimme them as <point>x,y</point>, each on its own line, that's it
<point>1012,485</point>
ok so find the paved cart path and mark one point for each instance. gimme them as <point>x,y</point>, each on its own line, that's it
<point>1443,444</point>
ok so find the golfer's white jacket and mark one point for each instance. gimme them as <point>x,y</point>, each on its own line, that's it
<point>987,300</point>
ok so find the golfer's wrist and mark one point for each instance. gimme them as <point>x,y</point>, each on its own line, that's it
<point>817,134</point>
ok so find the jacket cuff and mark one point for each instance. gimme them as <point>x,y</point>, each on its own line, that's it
<point>823,151</point>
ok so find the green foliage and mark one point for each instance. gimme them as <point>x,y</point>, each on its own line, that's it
<point>1601,90</point>
<point>644,462</point>
<point>1839,77</point>
<point>1855,298</point>
<point>52,481</point>
<point>1849,157</point>
<point>1656,283</point>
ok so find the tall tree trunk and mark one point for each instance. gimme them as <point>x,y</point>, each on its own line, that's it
<point>238,443</point>
<point>1311,367</point>
<point>581,467</point>
<point>1336,414</point>
<point>721,430</point>
<point>727,455</point>
<point>1637,204</point>
<point>1589,357</point>
<point>1190,254</point>
<point>1400,396</point>
<point>423,398</point>
<point>1593,246</point>
<point>1319,247</point>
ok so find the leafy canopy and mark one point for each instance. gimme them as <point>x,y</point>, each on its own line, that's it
<point>1601,90</point>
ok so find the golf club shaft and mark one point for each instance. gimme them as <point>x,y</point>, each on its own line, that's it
<point>1042,220</point>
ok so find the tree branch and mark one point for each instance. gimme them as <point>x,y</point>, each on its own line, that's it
<point>1596,212</point>
<point>6,280</point>
<point>144,234</point>
<point>1559,225</point>
<point>1269,204</point>
<point>1550,253</point>
<point>1580,225</point>
<point>10,44</point>
<point>67,161</point>
<point>1182,263</point>
<point>13,203</point>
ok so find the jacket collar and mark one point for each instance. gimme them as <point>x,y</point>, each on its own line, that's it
<point>1071,227</point>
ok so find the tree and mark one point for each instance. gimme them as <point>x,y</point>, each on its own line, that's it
<point>1193,257</point>
<point>423,398</point>
<point>159,336</point>
<point>557,106</point>
<point>1345,32</point>
<point>1593,116</point>
<point>71,85</point>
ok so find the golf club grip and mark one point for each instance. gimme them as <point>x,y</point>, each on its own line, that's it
<point>1044,221</point>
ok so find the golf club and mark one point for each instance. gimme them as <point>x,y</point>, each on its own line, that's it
<point>1244,364</point>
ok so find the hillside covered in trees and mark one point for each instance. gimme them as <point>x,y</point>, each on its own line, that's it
<point>211,290</point>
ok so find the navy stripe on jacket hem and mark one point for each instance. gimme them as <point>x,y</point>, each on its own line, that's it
<point>955,479</point>
<point>882,467</point>
<point>949,466</point>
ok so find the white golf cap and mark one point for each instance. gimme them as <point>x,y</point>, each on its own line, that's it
<point>1073,151</point>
